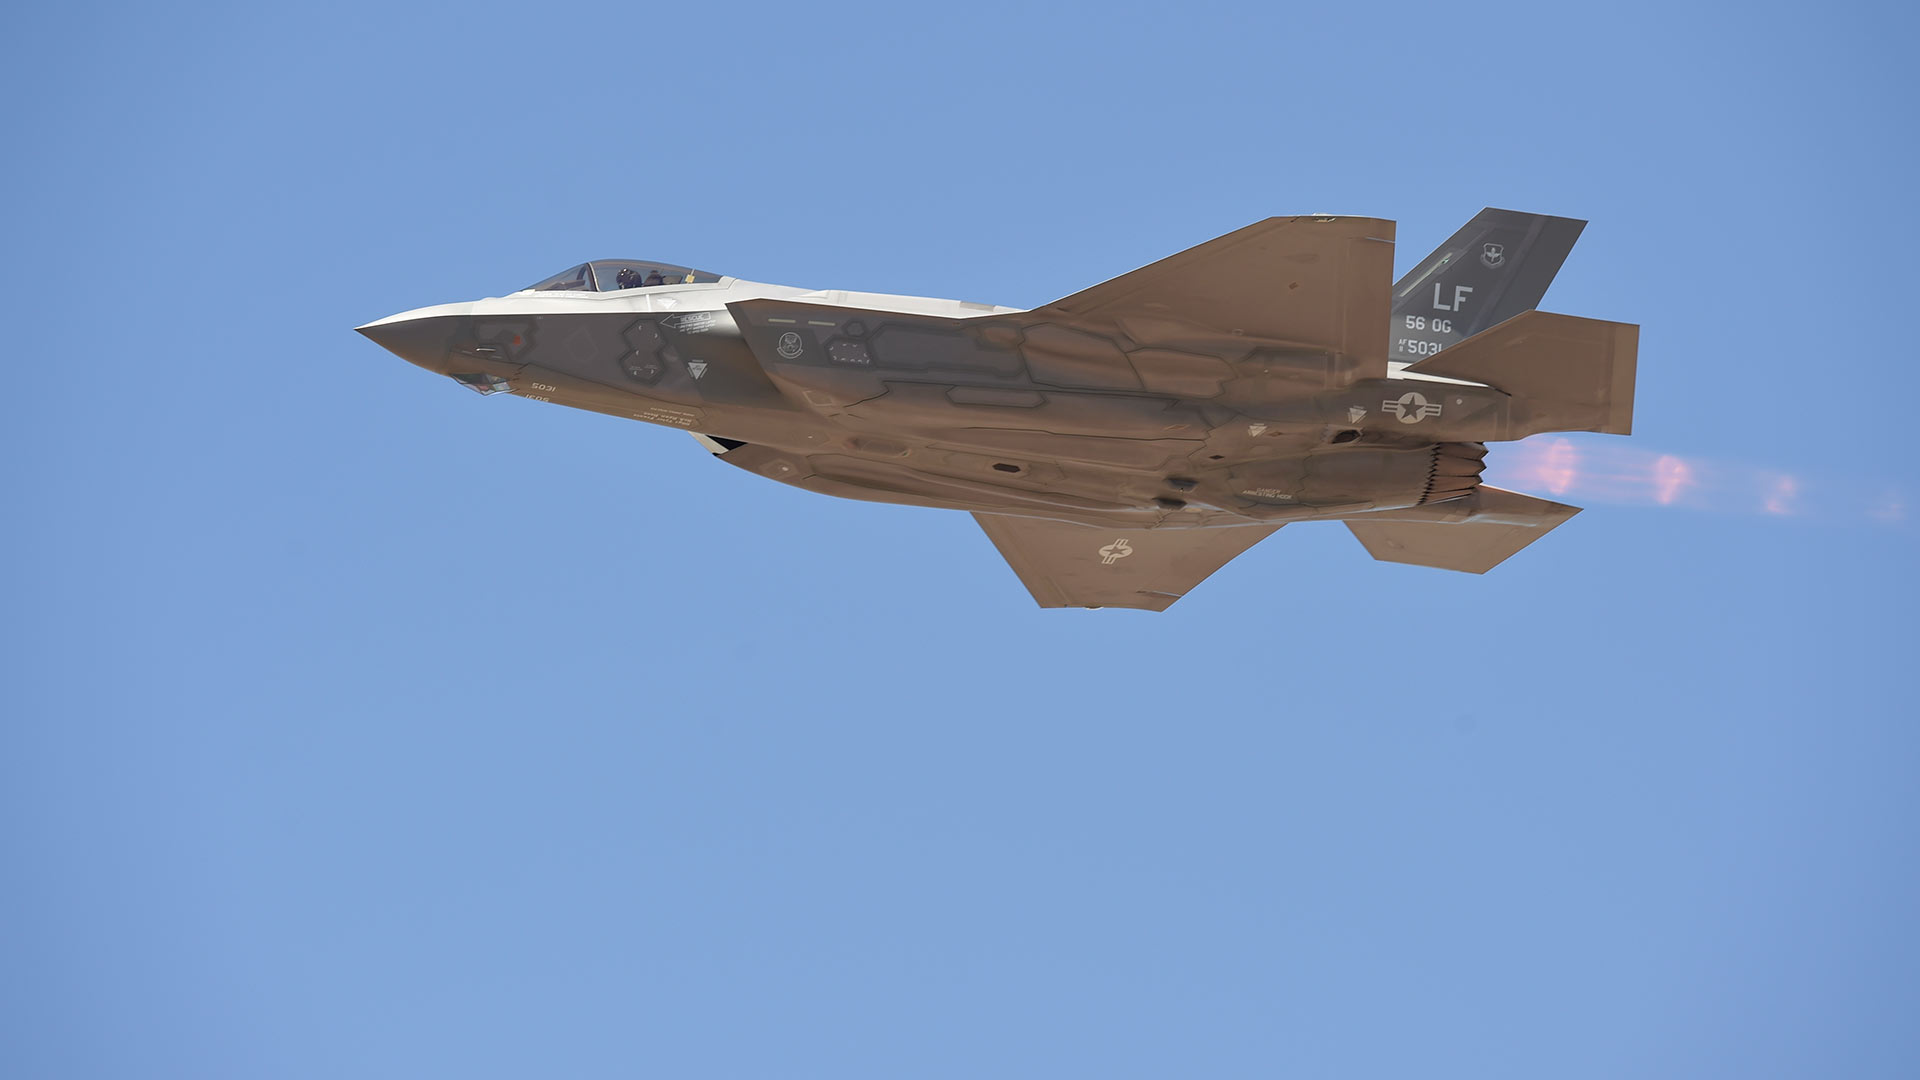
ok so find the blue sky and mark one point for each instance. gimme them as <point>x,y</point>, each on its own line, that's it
<point>358,726</point>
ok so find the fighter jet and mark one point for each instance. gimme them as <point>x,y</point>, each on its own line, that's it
<point>1122,443</point>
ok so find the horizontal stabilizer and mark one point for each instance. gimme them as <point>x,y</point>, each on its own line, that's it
<point>1067,565</point>
<point>1563,372</point>
<point>1487,527</point>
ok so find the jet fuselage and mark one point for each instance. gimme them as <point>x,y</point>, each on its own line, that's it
<point>941,403</point>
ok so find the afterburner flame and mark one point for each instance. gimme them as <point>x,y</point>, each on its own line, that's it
<point>1780,497</point>
<point>1670,476</point>
<point>1604,472</point>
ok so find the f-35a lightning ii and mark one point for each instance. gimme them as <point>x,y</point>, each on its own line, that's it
<point>1122,443</point>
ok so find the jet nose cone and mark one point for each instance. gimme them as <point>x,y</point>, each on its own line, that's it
<point>421,341</point>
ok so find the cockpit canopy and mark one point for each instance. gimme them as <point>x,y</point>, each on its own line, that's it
<point>612,275</point>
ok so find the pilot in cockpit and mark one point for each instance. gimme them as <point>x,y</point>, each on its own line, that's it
<point>617,275</point>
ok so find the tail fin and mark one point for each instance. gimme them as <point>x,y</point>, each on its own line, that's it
<point>1497,266</point>
<point>1472,534</point>
<point>1564,373</point>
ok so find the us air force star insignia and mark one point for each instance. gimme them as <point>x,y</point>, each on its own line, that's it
<point>1114,552</point>
<point>791,346</point>
<point>1493,255</point>
<point>1411,407</point>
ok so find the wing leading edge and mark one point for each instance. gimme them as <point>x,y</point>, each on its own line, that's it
<point>1068,565</point>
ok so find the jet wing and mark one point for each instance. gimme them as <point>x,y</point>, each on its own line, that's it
<point>1068,565</point>
<point>1317,282</point>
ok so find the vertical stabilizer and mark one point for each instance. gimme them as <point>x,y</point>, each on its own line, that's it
<point>1497,266</point>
